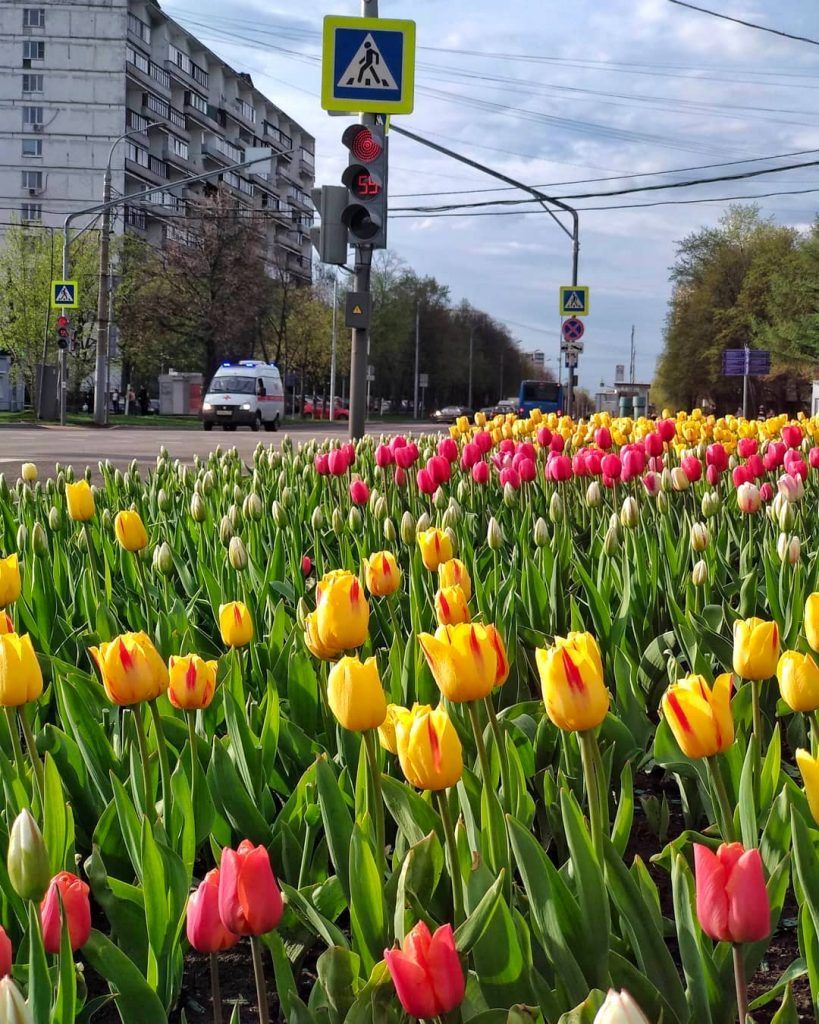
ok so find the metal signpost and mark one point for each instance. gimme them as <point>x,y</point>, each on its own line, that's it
<point>746,363</point>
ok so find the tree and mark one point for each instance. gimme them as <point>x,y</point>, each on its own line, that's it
<point>30,259</point>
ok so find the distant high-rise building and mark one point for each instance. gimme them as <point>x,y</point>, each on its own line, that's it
<point>619,373</point>
<point>81,73</point>
<point>539,359</point>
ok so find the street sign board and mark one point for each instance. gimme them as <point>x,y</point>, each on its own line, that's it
<point>572,329</point>
<point>574,300</point>
<point>370,374</point>
<point>64,295</point>
<point>423,380</point>
<point>571,346</point>
<point>357,313</point>
<point>368,65</point>
<point>571,360</point>
<point>737,362</point>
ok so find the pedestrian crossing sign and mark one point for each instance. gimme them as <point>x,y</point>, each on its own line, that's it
<point>64,295</point>
<point>368,65</point>
<point>574,300</point>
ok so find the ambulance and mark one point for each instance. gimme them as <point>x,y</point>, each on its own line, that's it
<point>244,394</point>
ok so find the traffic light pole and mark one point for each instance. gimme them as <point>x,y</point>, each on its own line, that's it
<point>574,234</point>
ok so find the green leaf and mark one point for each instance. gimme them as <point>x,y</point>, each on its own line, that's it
<point>586,1012</point>
<point>367,911</point>
<point>786,1014</point>
<point>411,813</point>
<point>338,826</point>
<point>65,1005</point>
<point>747,802</point>
<point>703,984</point>
<point>621,830</point>
<point>338,973</point>
<point>136,1001</point>
<point>474,927</point>
<point>232,798</point>
<point>58,821</point>
<point>39,983</point>
<point>129,824</point>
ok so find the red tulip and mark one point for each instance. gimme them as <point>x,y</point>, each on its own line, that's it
<point>755,466</point>
<point>580,466</point>
<point>250,902</point>
<point>654,444</point>
<point>813,455</point>
<point>384,456</point>
<point>602,438</point>
<point>558,443</point>
<point>559,467</point>
<point>712,475</point>
<point>426,482</point>
<point>400,476</point>
<point>612,466</point>
<point>321,464</point>
<point>766,492</point>
<point>337,462</point>
<point>483,439</point>
<point>792,435</point>
<point>399,441</point>
<point>349,451</point>
<point>77,907</point>
<point>427,974</point>
<point>5,953</point>
<point>470,455</point>
<point>732,901</point>
<point>510,476</point>
<point>439,469</point>
<point>306,565</point>
<point>206,933</point>
<point>527,470</point>
<point>359,492</point>
<point>774,455</point>
<point>667,429</point>
<point>692,467</point>
<point>746,447</point>
<point>448,449</point>
<point>742,475</point>
<point>480,473</point>
<point>544,437</point>
<point>716,455</point>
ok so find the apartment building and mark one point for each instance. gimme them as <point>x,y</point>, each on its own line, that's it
<point>79,74</point>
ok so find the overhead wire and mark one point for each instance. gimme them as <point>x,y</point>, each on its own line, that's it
<point>746,24</point>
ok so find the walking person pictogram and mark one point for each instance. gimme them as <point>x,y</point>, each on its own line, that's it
<point>369,62</point>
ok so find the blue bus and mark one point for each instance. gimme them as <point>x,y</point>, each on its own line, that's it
<point>546,395</point>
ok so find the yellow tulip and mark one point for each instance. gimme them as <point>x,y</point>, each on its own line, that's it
<point>463,659</point>
<point>235,624</point>
<point>812,620</point>
<point>451,607</point>
<point>436,547</point>
<point>28,471</point>
<point>809,769</point>
<point>756,648</point>
<point>429,750</point>
<point>571,676</point>
<point>462,423</point>
<point>355,694</point>
<point>314,644</point>
<point>500,653</point>
<point>342,612</point>
<point>386,731</point>
<point>20,677</point>
<point>192,682</point>
<point>6,624</point>
<point>130,531</point>
<point>798,676</point>
<point>131,668</point>
<point>9,581</point>
<point>480,419</point>
<point>700,717</point>
<point>382,574</point>
<point>454,573</point>
<point>80,499</point>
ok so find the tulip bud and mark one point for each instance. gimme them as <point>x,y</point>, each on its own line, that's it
<point>710,504</point>
<point>699,574</point>
<point>279,514</point>
<point>494,535</point>
<point>594,496</point>
<point>463,490</point>
<point>208,482</point>
<point>453,539</point>
<point>4,487</point>
<point>510,496</point>
<point>317,518</point>
<point>448,522</point>
<point>235,516</point>
<point>541,532</point>
<point>788,549</point>
<point>665,480</point>
<point>28,868</point>
<point>225,531</point>
<point>786,517</point>
<point>105,520</point>
<point>39,542</point>
<point>22,537</point>
<point>29,472</point>
<point>198,510</point>
<point>55,519</point>
<point>630,513</point>
<point>439,499</point>
<point>163,500</point>
<point>620,1008</point>
<point>354,519</point>
<point>13,1008</point>
<point>337,522</point>
<point>679,479</point>
<point>407,528</point>
<point>699,537</point>
<point>163,558</point>
<point>422,523</point>
<point>612,540</point>
<point>379,507</point>
<point>663,503</point>
<point>237,554</point>
<point>556,511</point>
<point>252,507</point>
<point>302,611</point>
<point>287,497</point>
<point>390,533</point>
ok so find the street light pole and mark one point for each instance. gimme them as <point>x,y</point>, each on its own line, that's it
<point>417,356</point>
<point>333,350</point>
<point>471,340</point>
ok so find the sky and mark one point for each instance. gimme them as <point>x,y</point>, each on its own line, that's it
<point>553,93</point>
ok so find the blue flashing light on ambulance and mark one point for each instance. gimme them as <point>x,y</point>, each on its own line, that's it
<point>247,393</point>
<point>546,395</point>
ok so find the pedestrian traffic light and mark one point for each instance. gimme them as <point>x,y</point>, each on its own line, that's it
<point>330,237</point>
<point>62,331</point>
<point>365,215</point>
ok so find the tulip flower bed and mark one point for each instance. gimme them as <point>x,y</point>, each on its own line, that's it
<point>513,725</point>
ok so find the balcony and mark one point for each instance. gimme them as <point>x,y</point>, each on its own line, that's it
<point>180,159</point>
<point>299,265</point>
<point>201,112</point>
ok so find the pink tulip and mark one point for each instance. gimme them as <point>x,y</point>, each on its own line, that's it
<point>76,906</point>
<point>480,472</point>
<point>470,455</point>
<point>651,482</point>
<point>692,467</point>
<point>792,435</point>
<point>321,464</point>
<point>795,464</point>
<point>594,463</point>
<point>483,439</point>
<point>634,463</point>
<point>510,476</point>
<point>749,497</point>
<point>439,468</point>
<point>448,449</point>
<point>774,455</point>
<point>426,482</point>
<point>741,475</point>
<point>359,492</point>
<point>526,450</point>
<point>656,463</point>
<point>544,437</point>
<point>5,953</point>
<point>602,438</point>
<point>716,455</point>
<point>612,466</point>
<point>427,974</point>
<point>813,455</point>
<point>732,901</point>
<point>558,443</point>
<point>337,462</point>
<point>608,481</point>
<point>746,447</point>
<point>766,492</point>
<point>712,475</point>
<point>250,902</point>
<point>559,467</point>
<point>667,429</point>
<point>349,451</point>
<point>527,470</point>
<point>403,456</point>
<point>756,466</point>
<point>306,565</point>
<point>399,441</point>
<point>654,444</point>
<point>384,456</point>
<point>205,930</point>
<point>400,476</point>
<point>580,464</point>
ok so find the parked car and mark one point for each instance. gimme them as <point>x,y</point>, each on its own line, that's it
<point>450,413</point>
<point>316,408</point>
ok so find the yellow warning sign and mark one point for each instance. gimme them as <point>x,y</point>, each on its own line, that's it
<point>357,310</point>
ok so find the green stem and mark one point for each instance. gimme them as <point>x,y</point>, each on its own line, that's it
<point>814,732</point>
<point>591,774</point>
<point>494,725</point>
<point>164,767</point>
<point>215,989</point>
<point>14,733</point>
<point>36,763</point>
<point>722,804</point>
<point>472,710</point>
<point>741,984</point>
<point>261,987</point>
<point>144,583</point>
<point>452,853</point>
<point>92,557</point>
<point>371,747</point>
<point>150,805</point>
<point>756,688</point>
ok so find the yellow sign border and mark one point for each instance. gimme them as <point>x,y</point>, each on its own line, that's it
<point>64,305</point>
<point>573,288</point>
<point>406,104</point>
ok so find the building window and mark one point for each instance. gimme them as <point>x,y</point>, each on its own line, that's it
<point>32,83</point>
<point>30,212</point>
<point>284,140</point>
<point>161,75</point>
<point>136,121</point>
<point>158,166</point>
<point>238,183</point>
<point>135,218</point>
<point>139,28</point>
<point>33,17</point>
<point>32,179</point>
<point>178,147</point>
<point>157,105</point>
<point>177,118</point>
<point>32,116</point>
<point>33,49</point>
<point>183,61</point>
<point>136,154</point>
<point>138,59</point>
<point>196,101</point>
<point>246,110</point>
<point>32,147</point>
<point>229,150</point>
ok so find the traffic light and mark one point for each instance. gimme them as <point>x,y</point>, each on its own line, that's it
<point>63,332</point>
<point>365,215</point>
<point>330,237</point>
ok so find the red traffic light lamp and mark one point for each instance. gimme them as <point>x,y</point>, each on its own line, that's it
<point>365,179</point>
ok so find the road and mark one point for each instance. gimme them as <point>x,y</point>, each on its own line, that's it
<point>86,446</point>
